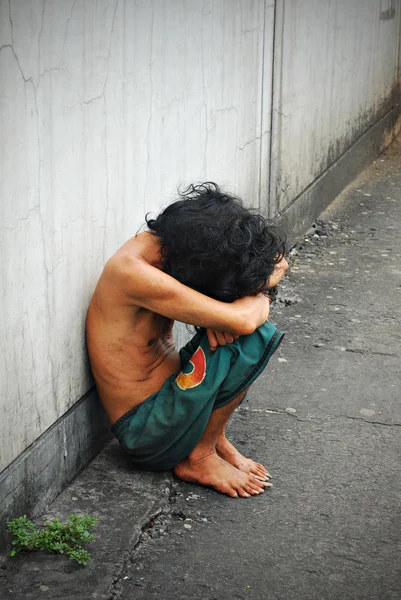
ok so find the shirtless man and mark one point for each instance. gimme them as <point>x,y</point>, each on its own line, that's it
<point>205,261</point>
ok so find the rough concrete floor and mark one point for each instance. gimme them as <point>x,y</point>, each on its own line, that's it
<point>325,418</point>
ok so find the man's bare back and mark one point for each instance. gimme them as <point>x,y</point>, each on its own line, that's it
<point>131,348</point>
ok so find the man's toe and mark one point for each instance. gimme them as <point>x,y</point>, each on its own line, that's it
<point>254,491</point>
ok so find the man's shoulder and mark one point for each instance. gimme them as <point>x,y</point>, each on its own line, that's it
<point>130,272</point>
<point>124,260</point>
<point>138,250</point>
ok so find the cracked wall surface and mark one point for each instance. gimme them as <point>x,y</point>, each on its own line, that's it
<point>104,108</point>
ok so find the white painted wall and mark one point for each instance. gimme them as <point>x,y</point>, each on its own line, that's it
<point>104,107</point>
<point>335,65</point>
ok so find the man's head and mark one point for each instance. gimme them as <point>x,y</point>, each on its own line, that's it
<point>212,243</point>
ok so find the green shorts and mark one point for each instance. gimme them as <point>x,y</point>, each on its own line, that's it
<point>161,431</point>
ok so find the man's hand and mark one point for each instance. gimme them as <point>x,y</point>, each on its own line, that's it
<point>219,338</point>
<point>279,271</point>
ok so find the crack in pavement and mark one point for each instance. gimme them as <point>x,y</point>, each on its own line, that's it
<point>165,510</point>
<point>362,351</point>
<point>116,589</point>
<point>270,411</point>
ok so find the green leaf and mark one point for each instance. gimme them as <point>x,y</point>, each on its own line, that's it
<point>64,538</point>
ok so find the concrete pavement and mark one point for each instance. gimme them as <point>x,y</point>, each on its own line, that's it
<point>325,418</point>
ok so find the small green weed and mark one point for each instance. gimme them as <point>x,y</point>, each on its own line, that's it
<point>54,536</point>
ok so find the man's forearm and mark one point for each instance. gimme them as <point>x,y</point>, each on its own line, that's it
<point>154,290</point>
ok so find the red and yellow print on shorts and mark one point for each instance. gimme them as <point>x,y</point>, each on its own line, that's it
<point>187,381</point>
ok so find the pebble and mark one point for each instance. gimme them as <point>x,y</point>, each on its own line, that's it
<point>288,300</point>
<point>367,412</point>
<point>187,526</point>
<point>282,360</point>
<point>192,497</point>
<point>291,410</point>
<point>43,588</point>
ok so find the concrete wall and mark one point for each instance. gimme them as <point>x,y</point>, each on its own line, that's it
<point>335,76</point>
<point>105,105</point>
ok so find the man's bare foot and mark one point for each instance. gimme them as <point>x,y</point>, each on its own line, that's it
<point>213,471</point>
<point>229,453</point>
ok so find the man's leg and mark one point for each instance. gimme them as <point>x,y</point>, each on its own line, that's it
<point>203,465</point>
<point>226,450</point>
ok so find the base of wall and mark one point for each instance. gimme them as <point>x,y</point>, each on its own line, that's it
<point>35,478</point>
<point>303,211</point>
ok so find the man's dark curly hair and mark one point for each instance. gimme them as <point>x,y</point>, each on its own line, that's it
<point>212,243</point>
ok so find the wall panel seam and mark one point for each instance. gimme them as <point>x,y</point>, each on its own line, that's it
<point>262,95</point>
<point>270,155</point>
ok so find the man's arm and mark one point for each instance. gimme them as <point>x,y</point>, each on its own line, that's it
<point>150,288</point>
